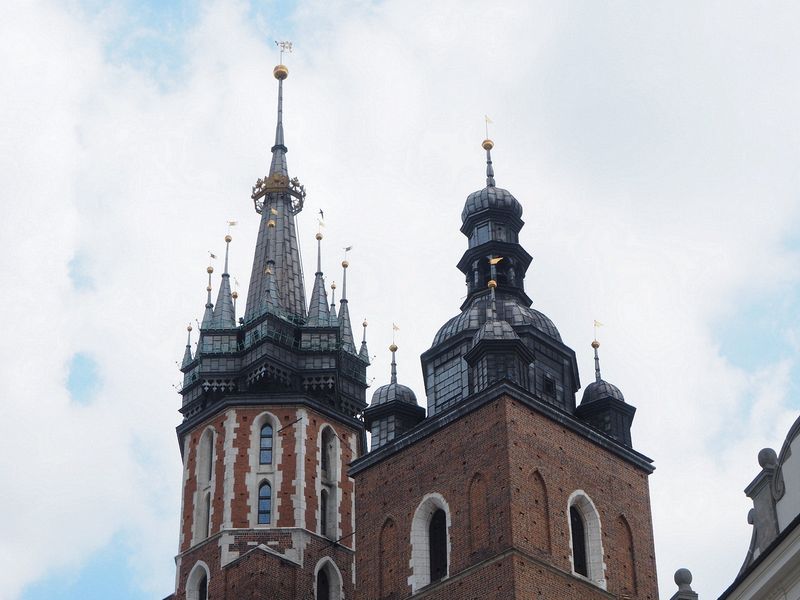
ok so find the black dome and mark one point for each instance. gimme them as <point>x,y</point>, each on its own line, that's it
<point>597,390</point>
<point>393,392</point>
<point>509,309</point>
<point>491,197</point>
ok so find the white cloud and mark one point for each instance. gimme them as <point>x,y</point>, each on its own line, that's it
<point>656,165</point>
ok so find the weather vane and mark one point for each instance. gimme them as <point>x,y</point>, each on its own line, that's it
<point>284,47</point>
<point>596,325</point>
<point>488,120</point>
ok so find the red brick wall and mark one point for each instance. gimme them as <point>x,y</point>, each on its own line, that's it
<point>528,466</point>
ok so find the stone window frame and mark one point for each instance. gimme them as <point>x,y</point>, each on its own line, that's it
<point>199,569</point>
<point>420,551</point>
<point>260,473</point>
<point>331,483</point>
<point>335,579</point>
<point>595,563</point>
<point>205,453</point>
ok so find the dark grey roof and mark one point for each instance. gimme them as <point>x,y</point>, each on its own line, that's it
<point>393,392</point>
<point>597,390</point>
<point>509,309</point>
<point>491,197</point>
<point>495,330</point>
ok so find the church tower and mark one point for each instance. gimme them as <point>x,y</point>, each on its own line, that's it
<point>270,405</point>
<point>505,489</point>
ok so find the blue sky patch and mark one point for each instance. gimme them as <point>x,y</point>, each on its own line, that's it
<point>83,380</point>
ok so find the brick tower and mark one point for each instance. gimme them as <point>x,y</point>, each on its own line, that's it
<point>506,489</point>
<point>269,405</point>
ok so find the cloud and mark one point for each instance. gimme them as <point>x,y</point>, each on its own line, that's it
<point>656,164</point>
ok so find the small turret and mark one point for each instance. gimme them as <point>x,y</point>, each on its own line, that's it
<point>319,314</point>
<point>603,406</point>
<point>348,343</point>
<point>363,353</point>
<point>393,410</point>
<point>187,355</point>
<point>208,316</point>
<point>224,315</point>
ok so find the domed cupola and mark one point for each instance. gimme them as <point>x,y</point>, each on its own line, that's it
<point>491,221</point>
<point>603,406</point>
<point>393,410</point>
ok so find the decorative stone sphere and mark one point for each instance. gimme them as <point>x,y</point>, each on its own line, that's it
<point>683,578</point>
<point>767,458</point>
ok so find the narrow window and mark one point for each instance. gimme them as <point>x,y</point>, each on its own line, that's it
<point>549,385</point>
<point>202,589</point>
<point>437,545</point>
<point>323,512</point>
<point>265,457</point>
<point>264,504</point>
<point>210,457</point>
<point>578,542</point>
<point>323,586</point>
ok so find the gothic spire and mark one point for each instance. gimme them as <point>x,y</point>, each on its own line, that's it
<point>224,316</point>
<point>319,314</point>
<point>488,145</point>
<point>187,355</point>
<point>277,199</point>
<point>208,316</point>
<point>344,314</point>
<point>363,354</point>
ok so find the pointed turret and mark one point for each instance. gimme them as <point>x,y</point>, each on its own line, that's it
<point>208,316</point>
<point>187,354</point>
<point>334,318</point>
<point>344,314</point>
<point>224,315</point>
<point>319,314</point>
<point>277,199</point>
<point>363,354</point>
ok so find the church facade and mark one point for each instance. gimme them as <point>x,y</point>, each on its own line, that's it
<point>505,487</point>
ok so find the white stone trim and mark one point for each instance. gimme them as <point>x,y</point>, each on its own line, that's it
<point>334,578</point>
<point>300,472</point>
<point>258,473</point>
<point>595,564</point>
<point>193,580</point>
<point>186,449</point>
<point>231,425</point>
<point>353,454</point>
<point>420,562</point>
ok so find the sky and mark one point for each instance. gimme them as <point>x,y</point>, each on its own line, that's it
<point>653,146</point>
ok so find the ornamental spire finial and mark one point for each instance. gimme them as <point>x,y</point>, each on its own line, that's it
<point>393,349</point>
<point>596,345</point>
<point>487,145</point>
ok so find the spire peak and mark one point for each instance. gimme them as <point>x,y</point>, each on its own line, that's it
<point>393,350</point>
<point>596,345</point>
<point>224,315</point>
<point>363,353</point>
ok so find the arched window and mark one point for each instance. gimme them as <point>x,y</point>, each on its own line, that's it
<point>264,504</point>
<point>578,542</point>
<point>265,447</point>
<point>430,542</point>
<point>329,480</point>
<point>586,539</point>
<point>197,582</point>
<point>437,545</point>
<point>207,514</point>
<point>328,581</point>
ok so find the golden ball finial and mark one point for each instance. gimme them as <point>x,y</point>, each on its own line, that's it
<point>208,288</point>
<point>318,236</point>
<point>209,269</point>
<point>487,144</point>
<point>345,264</point>
<point>234,294</point>
<point>393,348</point>
<point>280,72</point>
<point>189,327</point>
<point>271,223</point>
<point>228,238</point>
<point>595,344</point>
<point>492,284</point>
<point>364,323</point>
<point>333,285</point>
